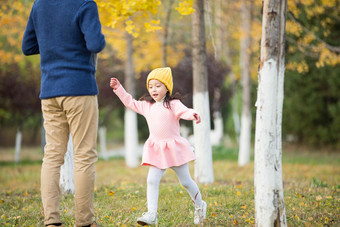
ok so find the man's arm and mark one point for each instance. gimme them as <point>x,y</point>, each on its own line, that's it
<point>90,26</point>
<point>30,44</point>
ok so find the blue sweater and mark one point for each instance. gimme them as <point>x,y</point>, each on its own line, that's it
<point>67,35</point>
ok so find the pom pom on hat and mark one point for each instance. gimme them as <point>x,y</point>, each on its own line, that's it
<point>164,75</point>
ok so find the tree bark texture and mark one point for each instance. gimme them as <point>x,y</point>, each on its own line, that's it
<point>203,164</point>
<point>269,202</point>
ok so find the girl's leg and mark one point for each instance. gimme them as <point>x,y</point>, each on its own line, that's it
<point>184,178</point>
<point>154,177</point>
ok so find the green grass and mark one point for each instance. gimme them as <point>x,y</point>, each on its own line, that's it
<point>311,190</point>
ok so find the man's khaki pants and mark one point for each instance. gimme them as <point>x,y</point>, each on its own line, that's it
<point>77,115</point>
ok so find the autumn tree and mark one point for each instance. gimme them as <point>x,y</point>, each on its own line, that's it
<point>18,74</point>
<point>203,165</point>
<point>312,90</point>
<point>269,203</point>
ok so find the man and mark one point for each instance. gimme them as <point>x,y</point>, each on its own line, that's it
<point>67,35</point>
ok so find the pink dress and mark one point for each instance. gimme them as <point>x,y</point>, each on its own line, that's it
<point>165,147</point>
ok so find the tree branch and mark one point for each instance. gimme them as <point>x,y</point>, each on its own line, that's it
<point>328,46</point>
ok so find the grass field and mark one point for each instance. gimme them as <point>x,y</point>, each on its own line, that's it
<point>311,190</point>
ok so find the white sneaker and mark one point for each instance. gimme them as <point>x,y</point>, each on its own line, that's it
<point>148,218</point>
<point>200,213</point>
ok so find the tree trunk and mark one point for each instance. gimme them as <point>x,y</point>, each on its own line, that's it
<point>245,137</point>
<point>269,202</point>
<point>18,139</point>
<point>130,117</point>
<point>66,181</point>
<point>102,142</point>
<point>219,30</point>
<point>203,164</point>
<point>232,76</point>
<point>166,33</point>
<point>216,135</point>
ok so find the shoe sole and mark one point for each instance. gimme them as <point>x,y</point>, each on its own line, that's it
<point>144,223</point>
<point>141,223</point>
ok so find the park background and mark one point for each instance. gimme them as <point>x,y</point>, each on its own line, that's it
<point>310,124</point>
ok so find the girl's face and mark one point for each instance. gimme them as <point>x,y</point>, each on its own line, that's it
<point>157,90</point>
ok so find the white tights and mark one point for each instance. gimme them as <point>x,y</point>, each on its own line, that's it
<point>183,175</point>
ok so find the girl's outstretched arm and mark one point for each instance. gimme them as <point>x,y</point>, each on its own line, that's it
<point>183,112</point>
<point>126,98</point>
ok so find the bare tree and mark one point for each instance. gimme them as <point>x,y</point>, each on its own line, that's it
<point>269,203</point>
<point>245,56</point>
<point>130,117</point>
<point>203,165</point>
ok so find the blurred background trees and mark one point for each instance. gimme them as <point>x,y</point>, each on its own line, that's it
<point>311,109</point>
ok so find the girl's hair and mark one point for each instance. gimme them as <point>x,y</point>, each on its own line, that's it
<point>167,99</point>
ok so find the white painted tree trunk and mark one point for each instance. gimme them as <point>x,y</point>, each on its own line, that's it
<point>131,139</point>
<point>130,117</point>
<point>216,135</point>
<point>18,139</point>
<point>269,202</point>
<point>66,182</point>
<point>203,165</point>
<point>102,142</point>
<point>245,136</point>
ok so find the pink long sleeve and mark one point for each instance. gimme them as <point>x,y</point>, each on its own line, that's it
<point>183,112</point>
<point>129,101</point>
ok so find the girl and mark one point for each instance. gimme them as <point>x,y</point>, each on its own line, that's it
<point>164,148</point>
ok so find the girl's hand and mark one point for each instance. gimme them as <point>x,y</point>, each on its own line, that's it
<point>114,83</point>
<point>197,118</point>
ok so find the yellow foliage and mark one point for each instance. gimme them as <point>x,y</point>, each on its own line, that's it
<point>13,19</point>
<point>329,3</point>
<point>307,39</point>
<point>153,26</point>
<point>114,13</point>
<point>327,58</point>
<point>293,28</point>
<point>307,2</point>
<point>300,67</point>
<point>185,7</point>
<point>293,8</point>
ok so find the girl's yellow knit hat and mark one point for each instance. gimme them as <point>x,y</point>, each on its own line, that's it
<point>164,75</point>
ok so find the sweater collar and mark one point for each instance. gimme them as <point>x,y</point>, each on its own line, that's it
<point>160,102</point>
